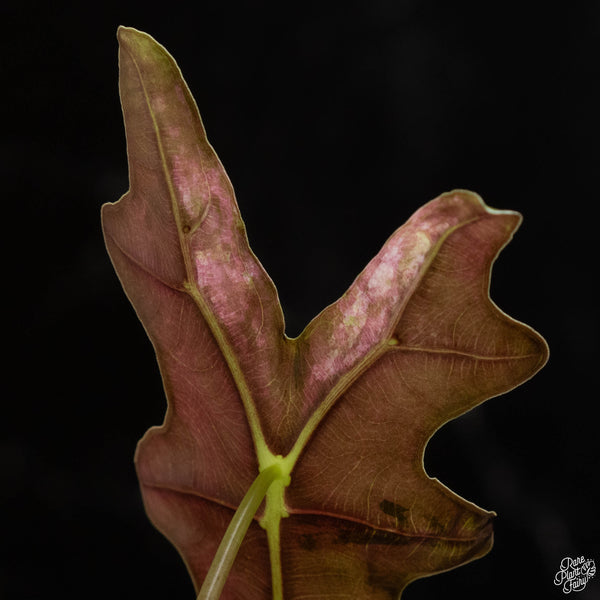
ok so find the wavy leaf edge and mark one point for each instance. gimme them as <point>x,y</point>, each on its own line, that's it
<point>364,354</point>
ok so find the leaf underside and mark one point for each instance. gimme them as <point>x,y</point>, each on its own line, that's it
<point>349,404</point>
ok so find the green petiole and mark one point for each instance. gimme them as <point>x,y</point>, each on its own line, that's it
<point>230,544</point>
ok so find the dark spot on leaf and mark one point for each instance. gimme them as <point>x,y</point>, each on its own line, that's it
<point>393,510</point>
<point>186,229</point>
<point>307,541</point>
<point>370,536</point>
<point>435,526</point>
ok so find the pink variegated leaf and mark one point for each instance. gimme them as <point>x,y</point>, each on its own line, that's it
<point>350,404</point>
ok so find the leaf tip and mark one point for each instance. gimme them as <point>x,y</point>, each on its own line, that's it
<point>125,34</point>
<point>464,195</point>
<point>138,43</point>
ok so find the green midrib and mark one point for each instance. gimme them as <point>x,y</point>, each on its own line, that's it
<point>275,502</point>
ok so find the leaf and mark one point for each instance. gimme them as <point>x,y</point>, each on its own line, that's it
<point>346,408</point>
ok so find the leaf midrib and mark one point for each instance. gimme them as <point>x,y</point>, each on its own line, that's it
<point>317,513</point>
<point>463,353</point>
<point>378,351</point>
<point>229,355</point>
<point>191,289</point>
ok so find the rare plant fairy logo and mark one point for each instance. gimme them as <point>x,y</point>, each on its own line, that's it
<point>574,573</point>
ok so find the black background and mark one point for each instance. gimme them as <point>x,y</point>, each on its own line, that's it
<point>335,121</point>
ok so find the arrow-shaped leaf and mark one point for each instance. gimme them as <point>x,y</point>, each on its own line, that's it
<point>345,409</point>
